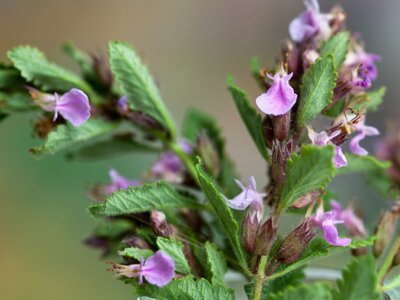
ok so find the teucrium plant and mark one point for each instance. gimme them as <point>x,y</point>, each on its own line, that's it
<point>178,230</point>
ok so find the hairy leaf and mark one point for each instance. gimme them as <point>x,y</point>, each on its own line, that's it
<point>223,212</point>
<point>337,45</point>
<point>362,163</point>
<point>35,68</point>
<point>175,250</point>
<point>315,291</point>
<point>307,171</point>
<point>216,263</point>
<point>249,115</point>
<point>359,280</point>
<point>136,253</point>
<point>369,101</point>
<point>67,136</point>
<point>137,84</point>
<point>316,88</point>
<point>151,196</point>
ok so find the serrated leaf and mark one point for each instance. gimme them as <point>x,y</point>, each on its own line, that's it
<point>187,289</point>
<point>67,136</point>
<point>175,250</point>
<point>308,171</point>
<point>363,163</point>
<point>337,46</point>
<point>151,196</point>
<point>216,263</point>
<point>291,279</point>
<point>315,291</point>
<point>224,214</point>
<point>359,280</point>
<point>317,249</point>
<point>316,88</point>
<point>137,84</point>
<point>250,117</point>
<point>136,253</point>
<point>112,147</point>
<point>35,68</point>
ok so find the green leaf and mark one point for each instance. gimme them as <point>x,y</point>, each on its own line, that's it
<point>335,110</point>
<point>337,46</point>
<point>10,78</point>
<point>308,171</point>
<point>316,88</point>
<point>276,285</point>
<point>136,253</point>
<point>68,136</point>
<point>115,146</point>
<point>317,249</point>
<point>48,76</point>
<point>223,212</point>
<point>150,196</point>
<point>391,284</point>
<point>315,291</point>
<point>249,115</point>
<point>216,263</point>
<point>137,84</point>
<point>187,289</point>
<point>359,280</point>
<point>112,228</point>
<point>83,60</point>
<point>19,101</point>
<point>175,250</point>
<point>362,163</point>
<point>369,101</point>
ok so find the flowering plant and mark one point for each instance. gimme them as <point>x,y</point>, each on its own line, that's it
<point>176,232</point>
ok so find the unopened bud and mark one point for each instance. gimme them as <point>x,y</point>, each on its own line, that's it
<point>290,56</point>
<point>160,225</point>
<point>266,235</point>
<point>137,242</point>
<point>281,126</point>
<point>384,231</point>
<point>249,234</point>
<point>293,245</point>
<point>206,149</point>
<point>338,19</point>
<point>306,200</point>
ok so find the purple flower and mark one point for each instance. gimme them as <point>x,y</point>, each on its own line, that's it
<point>169,167</point>
<point>354,224</point>
<point>122,104</point>
<point>363,132</point>
<point>322,139</point>
<point>118,182</point>
<point>326,221</point>
<point>363,63</point>
<point>310,23</point>
<point>158,269</point>
<point>73,106</point>
<point>280,97</point>
<point>248,196</point>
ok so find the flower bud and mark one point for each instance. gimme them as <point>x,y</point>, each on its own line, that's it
<point>281,126</point>
<point>384,231</point>
<point>290,56</point>
<point>206,149</point>
<point>293,245</point>
<point>160,225</point>
<point>249,234</point>
<point>266,235</point>
<point>137,242</point>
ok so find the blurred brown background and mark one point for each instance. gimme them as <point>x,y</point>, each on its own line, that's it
<point>190,47</point>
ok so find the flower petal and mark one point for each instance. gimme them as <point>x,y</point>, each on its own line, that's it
<point>74,107</point>
<point>331,234</point>
<point>158,269</point>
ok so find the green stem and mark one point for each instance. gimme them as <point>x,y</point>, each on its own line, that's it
<point>388,259</point>
<point>186,159</point>
<point>260,278</point>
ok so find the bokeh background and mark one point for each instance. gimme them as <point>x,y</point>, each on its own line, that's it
<point>190,47</point>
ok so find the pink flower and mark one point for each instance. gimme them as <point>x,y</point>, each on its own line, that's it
<point>310,23</point>
<point>158,269</point>
<point>354,224</point>
<point>326,221</point>
<point>118,182</point>
<point>248,196</point>
<point>364,66</point>
<point>363,132</point>
<point>322,139</point>
<point>73,106</point>
<point>280,97</point>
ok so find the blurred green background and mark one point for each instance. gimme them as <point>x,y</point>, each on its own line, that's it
<point>190,46</point>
